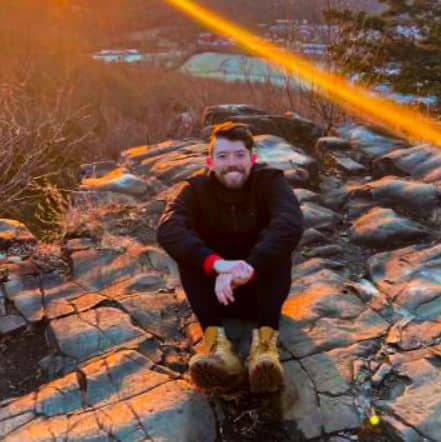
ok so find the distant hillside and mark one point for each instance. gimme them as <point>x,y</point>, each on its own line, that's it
<point>81,25</point>
<point>252,12</point>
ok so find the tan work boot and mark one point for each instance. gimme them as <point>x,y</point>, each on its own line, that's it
<point>264,368</point>
<point>218,367</point>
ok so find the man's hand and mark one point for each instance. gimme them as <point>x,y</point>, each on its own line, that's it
<point>232,274</point>
<point>239,269</point>
<point>223,288</point>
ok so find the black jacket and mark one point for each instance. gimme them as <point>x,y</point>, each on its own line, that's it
<point>260,223</point>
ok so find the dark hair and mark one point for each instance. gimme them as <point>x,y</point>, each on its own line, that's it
<point>231,131</point>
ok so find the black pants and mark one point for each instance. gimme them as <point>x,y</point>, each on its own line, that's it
<point>260,300</point>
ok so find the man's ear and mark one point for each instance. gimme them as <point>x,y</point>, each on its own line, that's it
<point>208,161</point>
<point>253,158</point>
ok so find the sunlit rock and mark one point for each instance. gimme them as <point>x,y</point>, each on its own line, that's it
<point>13,231</point>
<point>318,217</point>
<point>223,112</point>
<point>118,376</point>
<point>410,278</point>
<point>384,229</point>
<point>154,312</point>
<point>419,406</point>
<point>321,294</point>
<point>26,295</point>
<point>96,269</point>
<point>90,333</point>
<point>277,152</point>
<point>59,397</point>
<point>291,127</point>
<point>398,194</point>
<point>336,154</point>
<point>135,155</point>
<point>88,199</point>
<point>421,162</point>
<point>412,335</point>
<point>303,338</point>
<point>331,371</point>
<point>119,181</point>
<point>97,169</point>
<point>370,141</point>
<point>172,411</point>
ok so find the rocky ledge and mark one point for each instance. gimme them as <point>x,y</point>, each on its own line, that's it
<point>360,332</point>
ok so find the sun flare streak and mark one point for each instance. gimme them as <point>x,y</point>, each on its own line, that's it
<point>399,119</point>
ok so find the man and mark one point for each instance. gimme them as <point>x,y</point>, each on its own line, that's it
<point>231,231</point>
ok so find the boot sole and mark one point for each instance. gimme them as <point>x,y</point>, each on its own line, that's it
<point>266,377</point>
<point>208,375</point>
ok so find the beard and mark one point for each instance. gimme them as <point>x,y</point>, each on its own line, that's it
<point>233,178</point>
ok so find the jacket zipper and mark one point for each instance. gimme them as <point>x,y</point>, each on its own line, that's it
<point>233,211</point>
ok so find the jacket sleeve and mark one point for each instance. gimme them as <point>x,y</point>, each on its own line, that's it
<point>176,233</point>
<point>284,230</point>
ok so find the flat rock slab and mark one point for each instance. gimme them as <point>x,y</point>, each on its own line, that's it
<point>411,335</point>
<point>322,294</point>
<point>97,169</point>
<point>338,413</point>
<point>10,323</point>
<point>411,278</point>
<point>299,401</point>
<point>324,312</point>
<point>111,379</point>
<point>135,155</point>
<point>90,333</point>
<point>291,127</point>
<point>119,376</point>
<point>61,396</point>
<point>118,181</point>
<point>278,153</point>
<point>318,217</point>
<point>399,193</point>
<point>13,231</point>
<point>223,112</point>
<point>314,265</point>
<point>169,412</point>
<point>422,162</point>
<point>332,371</point>
<point>344,164</point>
<point>383,229</point>
<point>307,338</point>
<point>419,406</point>
<point>369,141</point>
<point>303,195</point>
<point>164,166</point>
<point>154,312</point>
<point>86,199</point>
<point>95,269</point>
<point>177,167</point>
<point>325,145</point>
<point>26,294</point>
<point>58,295</point>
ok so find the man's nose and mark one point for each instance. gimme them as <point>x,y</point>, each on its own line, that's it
<point>231,161</point>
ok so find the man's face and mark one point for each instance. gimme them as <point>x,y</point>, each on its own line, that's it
<point>231,162</point>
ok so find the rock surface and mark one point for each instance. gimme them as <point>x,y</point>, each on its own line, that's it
<point>360,331</point>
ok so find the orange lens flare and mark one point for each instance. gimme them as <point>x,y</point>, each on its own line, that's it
<point>398,119</point>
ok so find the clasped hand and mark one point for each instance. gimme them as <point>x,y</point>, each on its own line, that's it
<point>231,274</point>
